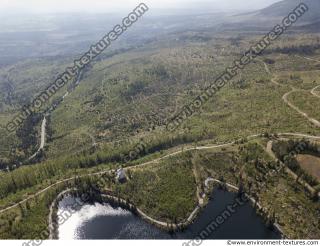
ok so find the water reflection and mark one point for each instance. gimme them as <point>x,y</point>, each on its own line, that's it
<point>99,221</point>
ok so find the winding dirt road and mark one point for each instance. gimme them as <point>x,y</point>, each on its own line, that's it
<point>42,138</point>
<point>44,121</point>
<point>285,97</point>
<point>148,163</point>
<point>273,80</point>
<point>312,120</point>
<point>317,123</point>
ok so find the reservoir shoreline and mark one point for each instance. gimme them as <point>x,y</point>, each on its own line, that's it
<point>109,198</point>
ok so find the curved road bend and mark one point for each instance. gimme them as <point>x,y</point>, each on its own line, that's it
<point>156,160</point>
<point>288,170</point>
<point>147,163</point>
<point>177,152</point>
<point>285,99</point>
<point>313,91</point>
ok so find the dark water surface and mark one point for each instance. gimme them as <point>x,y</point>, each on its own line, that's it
<point>105,222</point>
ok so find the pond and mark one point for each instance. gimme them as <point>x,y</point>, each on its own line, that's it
<point>102,221</point>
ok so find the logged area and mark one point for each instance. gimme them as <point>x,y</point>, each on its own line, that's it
<point>155,124</point>
<point>311,164</point>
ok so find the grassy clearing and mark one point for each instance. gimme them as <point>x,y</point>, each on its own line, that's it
<point>310,164</point>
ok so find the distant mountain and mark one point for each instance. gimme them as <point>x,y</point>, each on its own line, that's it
<point>284,7</point>
<point>263,19</point>
<point>313,27</point>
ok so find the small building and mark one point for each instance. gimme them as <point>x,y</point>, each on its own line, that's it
<point>121,176</point>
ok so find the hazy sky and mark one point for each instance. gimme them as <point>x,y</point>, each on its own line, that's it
<point>45,6</point>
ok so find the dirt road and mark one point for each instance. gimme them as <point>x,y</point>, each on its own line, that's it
<point>42,138</point>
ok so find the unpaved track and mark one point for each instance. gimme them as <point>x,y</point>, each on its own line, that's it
<point>285,97</point>
<point>288,170</point>
<point>273,80</point>
<point>313,91</point>
<point>299,135</point>
<point>44,123</point>
<point>148,163</point>
<point>317,123</point>
<point>43,133</point>
<point>42,138</point>
<point>104,172</point>
<point>307,58</point>
<point>181,151</point>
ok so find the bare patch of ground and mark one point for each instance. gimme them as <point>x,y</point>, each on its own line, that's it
<point>311,164</point>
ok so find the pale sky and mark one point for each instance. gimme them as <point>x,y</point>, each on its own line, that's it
<point>53,6</point>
